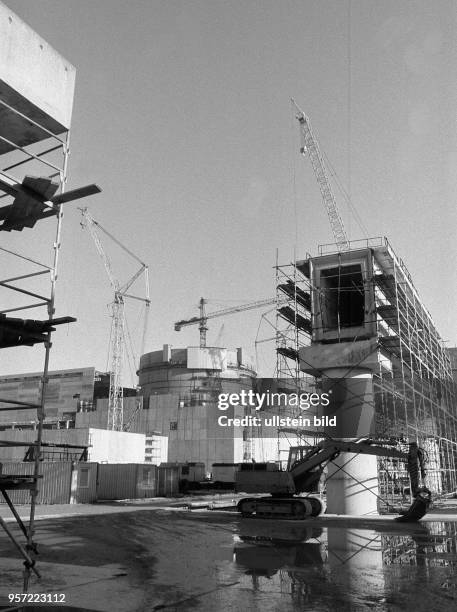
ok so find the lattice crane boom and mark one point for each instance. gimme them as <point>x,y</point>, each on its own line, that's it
<point>309,145</point>
<point>202,320</point>
<point>90,223</point>
<point>117,343</point>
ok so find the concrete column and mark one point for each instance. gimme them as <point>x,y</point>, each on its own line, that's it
<point>345,494</point>
<point>352,484</point>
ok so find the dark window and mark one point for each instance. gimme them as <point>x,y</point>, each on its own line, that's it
<point>342,297</point>
<point>84,477</point>
<point>173,425</point>
<point>148,476</point>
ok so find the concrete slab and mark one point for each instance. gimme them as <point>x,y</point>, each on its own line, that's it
<point>34,80</point>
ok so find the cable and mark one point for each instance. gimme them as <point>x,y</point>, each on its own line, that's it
<point>294,181</point>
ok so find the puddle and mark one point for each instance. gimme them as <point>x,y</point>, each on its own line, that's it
<point>180,561</point>
<point>336,568</point>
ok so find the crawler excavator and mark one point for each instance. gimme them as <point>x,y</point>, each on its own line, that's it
<point>304,469</point>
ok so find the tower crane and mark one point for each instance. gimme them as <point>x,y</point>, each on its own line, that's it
<point>310,146</point>
<point>202,320</point>
<point>117,342</point>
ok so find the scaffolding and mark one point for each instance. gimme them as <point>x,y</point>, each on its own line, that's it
<point>23,159</point>
<point>414,393</point>
<point>435,547</point>
<point>293,321</point>
<point>33,170</point>
<point>293,332</point>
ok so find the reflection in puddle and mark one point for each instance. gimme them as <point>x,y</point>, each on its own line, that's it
<point>345,568</point>
<point>265,558</point>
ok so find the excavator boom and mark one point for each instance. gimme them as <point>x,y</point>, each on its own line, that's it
<point>305,466</point>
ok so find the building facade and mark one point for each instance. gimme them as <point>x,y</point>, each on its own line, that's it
<point>68,392</point>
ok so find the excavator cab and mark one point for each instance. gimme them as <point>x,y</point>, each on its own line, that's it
<point>298,454</point>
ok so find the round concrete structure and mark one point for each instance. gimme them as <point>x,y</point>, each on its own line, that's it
<point>195,370</point>
<point>352,480</point>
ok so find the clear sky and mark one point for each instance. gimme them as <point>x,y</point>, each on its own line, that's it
<point>182,115</point>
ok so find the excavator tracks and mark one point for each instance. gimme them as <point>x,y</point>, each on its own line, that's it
<point>294,508</point>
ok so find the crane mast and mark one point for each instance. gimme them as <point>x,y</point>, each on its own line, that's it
<point>310,146</point>
<point>203,326</point>
<point>117,342</point>
<point>116,391</point>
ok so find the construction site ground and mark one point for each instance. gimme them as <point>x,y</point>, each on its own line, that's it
<point>146,555</point>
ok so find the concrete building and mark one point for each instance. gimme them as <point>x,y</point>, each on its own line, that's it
<point>180,389</point>
<point>77,402</point>
<point>196,374</point>
<point>176,412</point>
<point>179,392</point>
<point>68,392</point>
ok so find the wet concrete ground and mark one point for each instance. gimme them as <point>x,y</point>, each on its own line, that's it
<point>168,559</point>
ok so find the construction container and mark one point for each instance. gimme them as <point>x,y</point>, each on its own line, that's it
<point>126,481</point>
<point>224,473</point>
<point>191,471</point>
<point>54,486</point>
<point>116,481</point>
<point>66,482</point>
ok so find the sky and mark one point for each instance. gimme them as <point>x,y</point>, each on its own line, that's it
<point>182,115</point>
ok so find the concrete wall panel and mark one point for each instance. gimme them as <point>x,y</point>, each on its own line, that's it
<point>35,79</point>
<point>116,446</point>
<point>65,392</point>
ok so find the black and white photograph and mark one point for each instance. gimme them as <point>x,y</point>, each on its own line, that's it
<point>228,305</point>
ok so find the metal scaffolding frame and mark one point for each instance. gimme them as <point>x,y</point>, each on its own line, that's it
<point>413,389</point>
<point>293,320</point>
<point>293,331</point>
<point>436,547</point>
<point>46,158</point>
